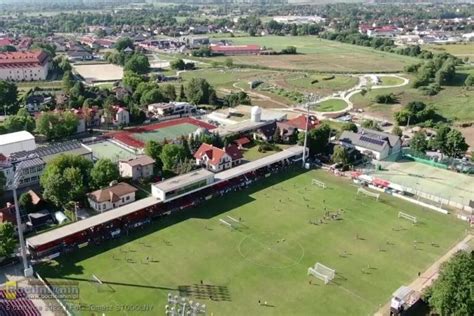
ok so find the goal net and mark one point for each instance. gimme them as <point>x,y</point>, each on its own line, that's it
<point>406,216</point>
<point>101,286</point>
<point>322,272</point>
<point>226,223</point>
<point>318,183</point>
<point>368,193</point>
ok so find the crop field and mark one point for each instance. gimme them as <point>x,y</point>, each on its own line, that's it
<point>283,230</point>
<point>453,102</point>
<point>460,50</point>
<point>317,54</point>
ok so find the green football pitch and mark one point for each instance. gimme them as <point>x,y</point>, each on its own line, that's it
<point>170,133</point>
<point>266,258</point>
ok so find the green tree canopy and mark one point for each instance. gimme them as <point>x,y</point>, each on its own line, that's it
<point>123,43</point>
<point>371,124</point>
<point>198,91</point>
<point>340,155</point>
<point>26,202</point>
<point>138,63</point>
<point>7,239</point>
<point>8,97</point>
<point>418,142</point>
<point>396,130</point>
<point>3,182</point>
<point>451,293</point>
<point>171,155</point>
<point>318,139</point>
<point>66,178</point>
<point>19,122</point>
<point>68,81</point>
<point>104,172</point>
<point>178,64</point>
<point>57,125</point>
<point>349,126</point>
<point>154,149</point>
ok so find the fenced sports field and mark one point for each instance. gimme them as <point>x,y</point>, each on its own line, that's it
<point>170,130</point>
<point>109,150</point>
<point>427,180</point>
<point>283,230</point>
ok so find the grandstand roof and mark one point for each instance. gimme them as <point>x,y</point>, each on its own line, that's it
<point>183,180</point>
<point>92,221</point>
<point>257,164</point>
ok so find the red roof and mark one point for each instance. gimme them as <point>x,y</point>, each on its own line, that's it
<point>19,59</point>
<point>2,157</point>
<point>215,154</point>
<point>235,48</point>
<point>300,122</point>
<point>242,141</point>
<point>5,41</point>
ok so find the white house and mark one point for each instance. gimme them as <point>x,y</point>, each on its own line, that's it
<point>111,197</point>
<point>122,116</point>
<point>217,159</point>
<point>140,167</point>
<point>378,145</point>
<point>16,142</point>
<point>24,66</point>
<point>172,108</point>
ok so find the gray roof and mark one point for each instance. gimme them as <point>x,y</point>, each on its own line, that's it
<point>92,221</point>
<point>370,139</point>
<point>49,152</point>
<point>184,180</point>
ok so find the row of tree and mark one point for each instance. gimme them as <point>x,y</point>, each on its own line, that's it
<point>447,140</point>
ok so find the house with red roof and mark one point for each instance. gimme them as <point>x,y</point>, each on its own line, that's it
<point>299,123</point>
<point>217,159</point>
<point>24,66</point>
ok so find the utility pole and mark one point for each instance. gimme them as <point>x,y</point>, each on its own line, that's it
<point>311,99</point>
<point>27,270</point>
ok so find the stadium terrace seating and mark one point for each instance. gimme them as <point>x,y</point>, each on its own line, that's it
<point>20,306</point>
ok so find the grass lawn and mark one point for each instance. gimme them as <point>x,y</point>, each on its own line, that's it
<point>320,55</point>
<point>252,153</point>
<point>453,102</point>
<point>268,256</point>
<point>390,81</point>
<point>331,105</point>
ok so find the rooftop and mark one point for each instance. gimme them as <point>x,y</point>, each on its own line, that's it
<point>15,137</point>
<point>32,57</point>
<point>142,160</point>
<point>112,193</point>
<point>369,139</point>
<point>183,180</point>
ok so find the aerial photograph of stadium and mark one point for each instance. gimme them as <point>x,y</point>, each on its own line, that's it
<point>229,157</point>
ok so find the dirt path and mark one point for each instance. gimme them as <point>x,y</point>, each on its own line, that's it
<point>427,277</point>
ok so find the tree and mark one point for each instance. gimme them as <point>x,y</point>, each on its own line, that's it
<point>57,125</point>
<point>138,63</point>
<point>418,142</point>
<point>68,81</point>
<point>178,64</point>
<point>171,155</point>
<point>182,95</point>
<point>455,145</point>
<point>26,202</point>
<point>396,130</point>
<point>7,239</point>
<point>19,122</point>
<point>3,182</point>
<point>469,82</point>
<point>370,124</point>
<point>198,91</point>
<point>66,178</point>
<point>277,136</point>
<point>451,292</point>
<point>349,126</point>
<point>104,172</point>
<point>152,96</point>
<point>340,155</point>
<point>290,50</point>
<point>132,79</point>
<point>8,97</point>
<point>154,149</point>
<point>123,43</point>
<point>235,99</point>
<point>169,92</point>
<point>318,139</point>
<point>229,62</point>
<point>389,98</point>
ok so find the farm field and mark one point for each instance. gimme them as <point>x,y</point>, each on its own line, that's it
<point>453,102</point>
<point>317,54</point>
<point>267,257</point>
<point>460,50</point>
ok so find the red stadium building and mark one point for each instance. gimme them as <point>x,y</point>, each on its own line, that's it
<point>24,66</point>
<point>234,50</point>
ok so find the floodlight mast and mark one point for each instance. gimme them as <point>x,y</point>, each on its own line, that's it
<point>310,99</point>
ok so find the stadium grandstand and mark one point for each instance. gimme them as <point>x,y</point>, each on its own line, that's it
<point>200,186</point>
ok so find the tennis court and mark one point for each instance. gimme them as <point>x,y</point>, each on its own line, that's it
<point>442,183</point>
<point>110,150</point>
<point>169,133</point>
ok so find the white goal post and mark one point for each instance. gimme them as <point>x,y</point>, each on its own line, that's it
<point>407,217</point>
<point>225,223</point>
<point>96,279</point>
<point>318,183</point>
<point>368,193</point>
<point>322,272</point>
